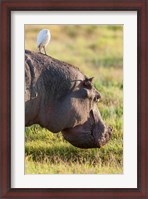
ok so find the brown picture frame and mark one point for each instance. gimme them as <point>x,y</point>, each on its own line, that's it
<point>141,6</point>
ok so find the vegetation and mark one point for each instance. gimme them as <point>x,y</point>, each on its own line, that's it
<point>97,51</point>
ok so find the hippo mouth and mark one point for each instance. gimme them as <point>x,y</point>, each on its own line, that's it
<point>92,134</point>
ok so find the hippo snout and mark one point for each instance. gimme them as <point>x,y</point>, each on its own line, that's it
<point>92,134</point>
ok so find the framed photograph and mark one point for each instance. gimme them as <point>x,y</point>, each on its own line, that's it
<point>79,70</point>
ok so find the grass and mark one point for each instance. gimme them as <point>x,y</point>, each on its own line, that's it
<point>97,51</point>
<point>49,153</point>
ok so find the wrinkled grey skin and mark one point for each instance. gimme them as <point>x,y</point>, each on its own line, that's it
<point>60,98</point>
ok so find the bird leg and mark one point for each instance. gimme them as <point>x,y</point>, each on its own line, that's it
<point>44,50</point>
<point>39,49</point>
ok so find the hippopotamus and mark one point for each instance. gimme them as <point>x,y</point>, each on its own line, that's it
<point>60,98</point>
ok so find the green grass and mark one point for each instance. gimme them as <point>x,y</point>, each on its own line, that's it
<point>49,153</point>
<point>69,168</point>
<point>97,51</point>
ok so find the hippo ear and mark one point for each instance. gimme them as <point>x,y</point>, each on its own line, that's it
<point>88,82</point>
<point>90,79</point>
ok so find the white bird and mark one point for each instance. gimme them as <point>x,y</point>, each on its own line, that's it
<point>43,39</point>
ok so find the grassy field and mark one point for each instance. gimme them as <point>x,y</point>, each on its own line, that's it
<point>97,51</point>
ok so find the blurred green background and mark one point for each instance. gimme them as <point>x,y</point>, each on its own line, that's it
<point>97,50</point>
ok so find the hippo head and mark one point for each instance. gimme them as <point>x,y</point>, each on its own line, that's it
<point>92,133</point>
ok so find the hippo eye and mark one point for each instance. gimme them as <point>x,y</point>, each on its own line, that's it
<point>97,97</point>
